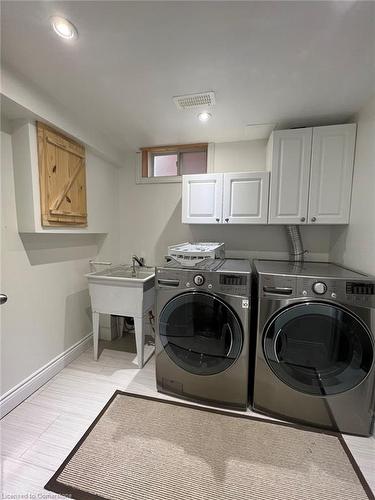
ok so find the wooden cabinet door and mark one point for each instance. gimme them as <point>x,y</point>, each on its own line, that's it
<point>288,158</point>
<point>331,174</point>
<point>245,199</point>
<point>62,179</point>
<point>202,197</point>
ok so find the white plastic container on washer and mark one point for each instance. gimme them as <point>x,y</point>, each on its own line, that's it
<point>190,254</point>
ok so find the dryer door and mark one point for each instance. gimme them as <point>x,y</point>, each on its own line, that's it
<point>318,348</point>
<point>200,333</point>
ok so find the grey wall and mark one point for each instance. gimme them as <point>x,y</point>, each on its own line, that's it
<point>354,245</point>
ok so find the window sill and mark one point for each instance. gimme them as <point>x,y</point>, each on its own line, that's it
<point>158,180</point>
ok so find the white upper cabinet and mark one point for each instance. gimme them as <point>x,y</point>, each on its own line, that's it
<point>245,198</point>
<point>202,198</point>
<point>235,198</point>
<point>311,174</point>
<point>288,158</point>
<point>331,174</point>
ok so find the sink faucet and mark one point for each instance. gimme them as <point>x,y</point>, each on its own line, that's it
<point>139,260</point>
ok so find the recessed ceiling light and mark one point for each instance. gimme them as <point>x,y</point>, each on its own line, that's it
<point>204,116</point>
<point>64,28</point>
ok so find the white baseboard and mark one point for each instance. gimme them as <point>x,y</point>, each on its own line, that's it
<point>24,389</point>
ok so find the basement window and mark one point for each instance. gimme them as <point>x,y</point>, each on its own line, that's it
<point>169,163</point>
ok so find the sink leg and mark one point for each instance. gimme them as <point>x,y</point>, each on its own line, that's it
<point>139,340</point>
<point>95,324</point>
<point>121,321</point>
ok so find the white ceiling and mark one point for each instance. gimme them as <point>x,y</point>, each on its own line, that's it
<point>284,63</point>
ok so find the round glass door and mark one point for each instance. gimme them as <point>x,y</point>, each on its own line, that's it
<point>318,348</point>
<point>200,333</point>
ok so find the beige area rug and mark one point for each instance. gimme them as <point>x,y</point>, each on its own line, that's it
<point>142,448</point>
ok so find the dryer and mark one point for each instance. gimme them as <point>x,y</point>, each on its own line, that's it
<point>314,358</point>
<point>203,329</point>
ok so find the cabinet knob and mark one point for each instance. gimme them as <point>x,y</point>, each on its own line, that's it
<point>313,219</point>
<point>226,220</point>
<point>3,298</point>
<point>303,219</point>
<point>217,219</point>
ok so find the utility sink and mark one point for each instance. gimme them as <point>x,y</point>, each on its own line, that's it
<point>124,273</point>
<point>120,291</point>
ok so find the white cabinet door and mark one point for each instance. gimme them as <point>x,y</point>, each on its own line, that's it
<point>331,174</point>
<point>202,198</point>
<point>245,199</point>
<point>288,158</point>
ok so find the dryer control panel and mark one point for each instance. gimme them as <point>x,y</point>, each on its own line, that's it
<point>361,293</point>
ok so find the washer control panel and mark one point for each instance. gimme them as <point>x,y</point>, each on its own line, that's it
<point>198,279</point>
<point>216,282</point>
<point>360,288</point>
<point>319,288</point>
<point>234,283</point>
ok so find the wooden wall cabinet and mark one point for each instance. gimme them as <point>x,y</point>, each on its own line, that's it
<point>62,179</point>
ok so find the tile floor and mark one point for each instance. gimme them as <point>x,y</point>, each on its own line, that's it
<point>38,434</point>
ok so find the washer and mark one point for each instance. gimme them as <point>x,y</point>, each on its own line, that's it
<point>315,345</point>
<point>203,328</point>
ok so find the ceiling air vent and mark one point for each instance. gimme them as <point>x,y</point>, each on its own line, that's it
<point>191,101</point>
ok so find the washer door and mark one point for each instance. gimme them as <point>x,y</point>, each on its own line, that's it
<point>200,333</point>
<point>318,348</point>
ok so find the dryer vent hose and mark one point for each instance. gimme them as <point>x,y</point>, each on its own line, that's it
<point>297,252</point>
